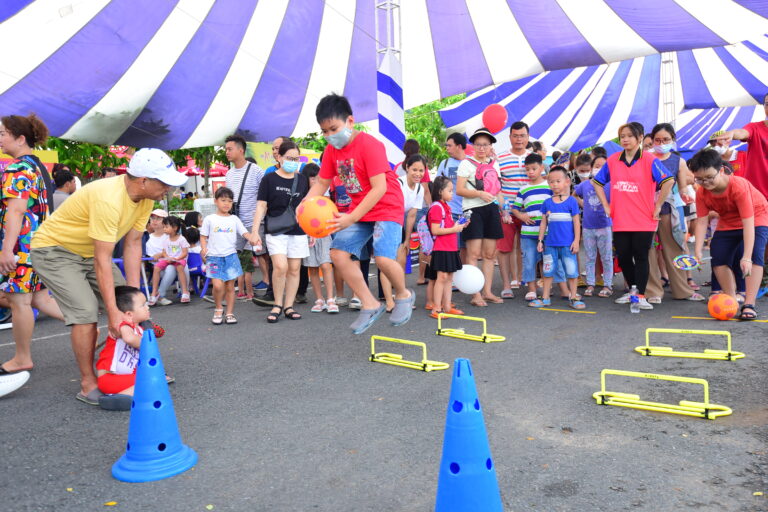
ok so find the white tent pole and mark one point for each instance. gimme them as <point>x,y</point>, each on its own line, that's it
<point>391,10</point>
<point>669,107</point>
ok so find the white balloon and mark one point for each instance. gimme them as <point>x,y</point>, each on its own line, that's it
<point>469,279</point>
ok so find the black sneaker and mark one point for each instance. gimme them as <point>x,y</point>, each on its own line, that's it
<point>266,301</point>
<point>301,299</point>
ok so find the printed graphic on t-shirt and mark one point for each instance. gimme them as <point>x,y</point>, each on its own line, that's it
<point>126,358</point>
<point>626,186</point>
<point>346,170</point>
<point>225,229</point>
<point>594,201</point>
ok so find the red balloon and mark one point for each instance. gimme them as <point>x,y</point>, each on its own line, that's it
<point>495,117</point>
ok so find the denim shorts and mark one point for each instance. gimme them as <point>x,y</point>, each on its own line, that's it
<point>531,257</point>
<point>560,259</point>
<point>226,268</point>
<point>727,247</point>
<point>386,238</point>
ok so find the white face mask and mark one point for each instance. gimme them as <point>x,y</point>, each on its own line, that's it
<point>584,175</point>
<point>721,150</point>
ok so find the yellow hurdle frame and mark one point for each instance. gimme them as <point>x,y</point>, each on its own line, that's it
<point>716,354</point>
<point>703,409</point>
<point>424,365</point>
<point>459,333</point>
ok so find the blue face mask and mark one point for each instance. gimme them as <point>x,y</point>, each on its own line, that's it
<point>665,148</point>
<point>340,138</point>
<point>290,166</point>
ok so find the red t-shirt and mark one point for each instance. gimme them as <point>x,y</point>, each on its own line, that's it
<point>740,200</point>
<point>435,216</point>
<point>757,152</point>
<point>354,164</point>
<point>739,163</point>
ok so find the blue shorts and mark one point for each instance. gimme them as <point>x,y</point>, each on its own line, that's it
<point>226,268</point>
<point>386,238</point>
<point>531,257</point>
<point>727,248</point>
<point>559,260</point>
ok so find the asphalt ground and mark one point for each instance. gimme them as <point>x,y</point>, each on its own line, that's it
<point>293,416</point>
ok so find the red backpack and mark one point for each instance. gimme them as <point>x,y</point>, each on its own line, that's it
<point>486,177</point>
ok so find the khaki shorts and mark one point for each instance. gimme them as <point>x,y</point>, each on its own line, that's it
<point>72,281</point>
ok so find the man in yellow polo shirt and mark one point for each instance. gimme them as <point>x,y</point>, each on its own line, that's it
<point>72,250</point>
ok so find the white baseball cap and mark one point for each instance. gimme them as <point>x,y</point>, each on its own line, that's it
<point>155,163</point>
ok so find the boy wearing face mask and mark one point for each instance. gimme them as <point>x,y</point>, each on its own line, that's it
<point>376,211</point>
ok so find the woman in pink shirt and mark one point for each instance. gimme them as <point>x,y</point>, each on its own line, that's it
<point>634,177</point>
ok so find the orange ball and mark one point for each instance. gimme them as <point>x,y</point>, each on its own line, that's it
<point>313,215</point>
<point>722,306</point>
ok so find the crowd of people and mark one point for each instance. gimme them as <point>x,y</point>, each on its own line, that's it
<point>634,212</point>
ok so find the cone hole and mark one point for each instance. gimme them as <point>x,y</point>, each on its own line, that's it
<point>457,406</point>
<point>161,447</point>
<point>133,404</point>
<point>477,404</point>
<point>454,468</point>
<point>488,464</point>
<point>157,404</point>
<point>152,362</point>
<point>128,446</point>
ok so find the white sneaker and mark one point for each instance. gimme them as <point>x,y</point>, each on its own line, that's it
<point>644,303</point>
<point>152,300</point>
<point>162,301</point>
<point>624,299</point>
<point>13,381</point>
<point>341,301</point>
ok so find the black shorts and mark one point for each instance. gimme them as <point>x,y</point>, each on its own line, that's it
<point>485,222</point>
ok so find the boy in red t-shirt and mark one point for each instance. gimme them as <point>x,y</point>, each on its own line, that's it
<point>376,210</point>
<point>742,231</point>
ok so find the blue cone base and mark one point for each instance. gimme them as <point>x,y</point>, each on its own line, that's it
<point>128,469</point>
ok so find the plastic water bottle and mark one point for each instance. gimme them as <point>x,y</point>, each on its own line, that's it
<point>634,300</point>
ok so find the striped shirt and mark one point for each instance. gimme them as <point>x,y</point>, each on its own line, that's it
<point>513,175</point>
<point>234,181</point>
<point>529,200</point>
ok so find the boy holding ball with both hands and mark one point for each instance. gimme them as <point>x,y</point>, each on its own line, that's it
<point>377,209</point>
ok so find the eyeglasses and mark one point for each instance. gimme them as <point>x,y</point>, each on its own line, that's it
<point>292,158</point>
<point>483,146</point>
<point>702,181</point>
<point>659,142</point>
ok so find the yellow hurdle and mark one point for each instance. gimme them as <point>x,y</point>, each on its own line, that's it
<point>703,409</point>
<point>424,365</point>
<point>716,354</point>
<point>459,333</point>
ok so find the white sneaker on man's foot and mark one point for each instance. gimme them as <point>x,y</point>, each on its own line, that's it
<point>162,301</point>
<point>644,304</point>
<point>624,299</point>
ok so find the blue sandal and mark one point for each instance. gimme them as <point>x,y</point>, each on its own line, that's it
<point>540,303</point>
<point>577,304</point>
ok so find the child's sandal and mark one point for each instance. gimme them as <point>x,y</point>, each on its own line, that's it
<point>218,316</point>
<point>273,315</point>
<point>291,314</point>
<point>230,319</point>
<point>589,291</point>
<point>577,304</point>
<point>605,292</point>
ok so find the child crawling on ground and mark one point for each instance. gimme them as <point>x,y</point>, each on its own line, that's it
<point>116,365</point>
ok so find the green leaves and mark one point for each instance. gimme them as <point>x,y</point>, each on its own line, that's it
<point>424,124</point>
<point>83,158</point>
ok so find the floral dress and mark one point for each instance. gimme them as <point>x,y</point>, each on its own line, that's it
<point>22,180</point>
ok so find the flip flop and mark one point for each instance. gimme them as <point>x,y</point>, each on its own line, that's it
<point>403,309</point>
<point>479,303</point>
<point>3,371</point>
<point>494,300</point>
<point>366,318</point>
<point>91,398</point>
<point>117,402</point>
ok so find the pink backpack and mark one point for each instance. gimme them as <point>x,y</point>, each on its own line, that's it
<point>486,177</point>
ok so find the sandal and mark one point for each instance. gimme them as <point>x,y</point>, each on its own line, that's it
<point>494,299</point>
<point>693,285</point>
<point>577,304</point>
<point>530,296</point>
<point>748,315</point>
<point>218,316</point>
<point>273,315</point>
<point>540,303</point>
<point>589,291</point>
<point>479,303</point>
<point>741,297</point>
<point>331,306</point>
<point>435,314</point>
<point>606,292</point>
<point>320,306</point>
<point>230,319</point>
<point>665,282</point>
<point>507,294</point>
<point>291,313</point>
<point>515,285</point>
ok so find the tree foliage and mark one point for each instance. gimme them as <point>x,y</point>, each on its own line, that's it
<point>424,124</point>
<point>83,158</point>
<point>204,158</point>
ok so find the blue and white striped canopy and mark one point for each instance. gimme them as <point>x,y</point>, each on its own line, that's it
<point>580,107</point>
<point>185,73</point>
<point>694,127</point>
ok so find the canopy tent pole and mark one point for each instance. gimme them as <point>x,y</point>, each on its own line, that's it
<point>389,80</point>
<point>669,107</point>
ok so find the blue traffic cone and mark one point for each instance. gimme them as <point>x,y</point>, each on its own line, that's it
<point>467,479</point>
<point>154,450</point>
